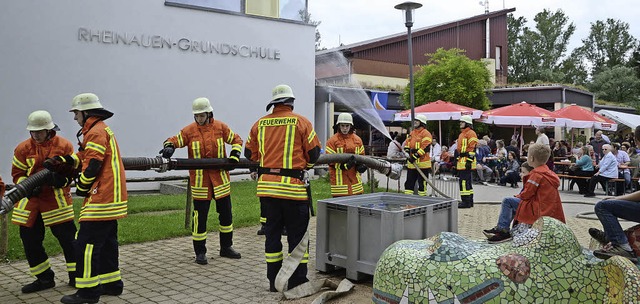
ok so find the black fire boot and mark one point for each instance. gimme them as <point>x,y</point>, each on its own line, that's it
<point>201,258</point>
<point>77,299</point>
<point>261,231</point>
<point>229,252</point>
<point>43,281</point>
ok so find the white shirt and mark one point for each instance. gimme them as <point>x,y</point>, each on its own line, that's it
<point>395,150</point>
<point>543,139</point>
<point>435,152</point>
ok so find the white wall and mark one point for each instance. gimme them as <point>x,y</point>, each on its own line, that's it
<point>43,64</point>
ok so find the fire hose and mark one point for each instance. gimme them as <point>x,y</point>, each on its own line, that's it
<point>160,164</point>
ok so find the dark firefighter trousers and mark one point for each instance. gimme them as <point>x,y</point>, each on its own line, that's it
<point>199,223</point>
<point>97,258</point>
<point>413,177</point>
<point>32,238</point>
<point>294,215</point>
<point>466,189</point>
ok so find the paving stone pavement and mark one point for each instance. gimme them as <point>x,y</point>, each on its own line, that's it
<point>165,272</point>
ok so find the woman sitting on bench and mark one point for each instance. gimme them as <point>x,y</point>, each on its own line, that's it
<point>582,167</point>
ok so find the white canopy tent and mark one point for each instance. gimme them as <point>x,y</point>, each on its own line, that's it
<point>629,120</point>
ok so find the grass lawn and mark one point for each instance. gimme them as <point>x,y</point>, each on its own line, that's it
<point>156,217</point>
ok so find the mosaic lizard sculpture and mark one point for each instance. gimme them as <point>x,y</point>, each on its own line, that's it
<point>546,262</point>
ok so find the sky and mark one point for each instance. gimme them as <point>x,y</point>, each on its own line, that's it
<point>351,21</point>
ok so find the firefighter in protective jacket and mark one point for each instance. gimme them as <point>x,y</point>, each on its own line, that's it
<point>345,177</point>
<point>466,163</point>
<point>102,183</point>
<point>48,205</point>
<point>206,138</point>
<point>286,145</point>
<point>417,147</point>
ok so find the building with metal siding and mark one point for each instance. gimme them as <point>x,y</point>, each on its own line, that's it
<point>384,61</point>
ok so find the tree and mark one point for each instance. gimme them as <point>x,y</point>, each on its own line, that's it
<point>451,76</point>
<point>306,18</point>
<point>539,54</point>
<point>609,44</point>
<point>618,84</point>
<point>634,61</point>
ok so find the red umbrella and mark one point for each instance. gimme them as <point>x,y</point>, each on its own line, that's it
<point>439,110</point>
<point>583,118</point>
<point>522,114</point>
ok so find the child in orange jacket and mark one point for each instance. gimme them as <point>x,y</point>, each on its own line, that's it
<point>540,196</point>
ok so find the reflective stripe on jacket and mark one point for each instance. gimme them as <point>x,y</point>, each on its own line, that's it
<point>467,141</point>
<point>419,139</point>
<point>54,204</point>
<point>345,182</point>
<point>282,140</point>
<point>107,198</point>
<point>208,141</point>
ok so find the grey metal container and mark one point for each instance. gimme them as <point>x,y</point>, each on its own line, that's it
<point>352,232</point>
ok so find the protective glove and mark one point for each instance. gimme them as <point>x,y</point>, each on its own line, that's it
<point>234,156</point>
<point>65,165</point>
<point>361,168</point>
<point>167,151</point>
<point>35,192</point>
<point>58,180</point>
<point>350,163</point>
<point>82,193</point>
<point>468,164</point>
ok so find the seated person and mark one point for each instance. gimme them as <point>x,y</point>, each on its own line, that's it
<point>499,165</point>
<point>582,167</point>
<point>512,168</point>
<point>508,207</point>
<point>607,169</point>
<point>623,160</point>
<point>395,147</point>
<point>482,167</point>
<point>539,196</point>
<point>626,207</point>
<point>444,164</point>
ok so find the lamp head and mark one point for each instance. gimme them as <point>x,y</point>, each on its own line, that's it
<point>408,7</point>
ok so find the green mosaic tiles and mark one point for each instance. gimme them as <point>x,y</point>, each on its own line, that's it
<point>543,265</point>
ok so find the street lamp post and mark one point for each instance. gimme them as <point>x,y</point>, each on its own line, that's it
<point>408,8</point>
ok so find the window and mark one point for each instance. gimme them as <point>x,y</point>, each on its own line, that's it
<point>498,58</point>
<point>265,8</point>
<point>290,9</point>
<point>226,5</point>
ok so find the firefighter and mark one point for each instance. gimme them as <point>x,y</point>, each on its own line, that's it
<point>417,146</point>
<point>48,205</point>
<point>206,138</point>
<point>102,183</point>
<point>466,163</point>
<point>286,145</point>
<point>345,177</point>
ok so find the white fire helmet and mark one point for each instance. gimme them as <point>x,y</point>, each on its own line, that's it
<point>84,102</point>
<point>467,119</point>
<point>280,94</point>
<point>201,105</point>
<point>345,118</point>
<point>40,120</point>
<point>421,118</point>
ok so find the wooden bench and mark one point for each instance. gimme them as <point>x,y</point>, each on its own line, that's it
<point>612,181</point>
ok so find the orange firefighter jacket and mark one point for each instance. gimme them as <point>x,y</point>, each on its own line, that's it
<point>54,204</point>
<point>208,141</point>
<point>539,197</point>
<point>345,182</point>
<point>419,139</point>
<point>467,141</point>
<point>282,140</point>
<point>107,198</point>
